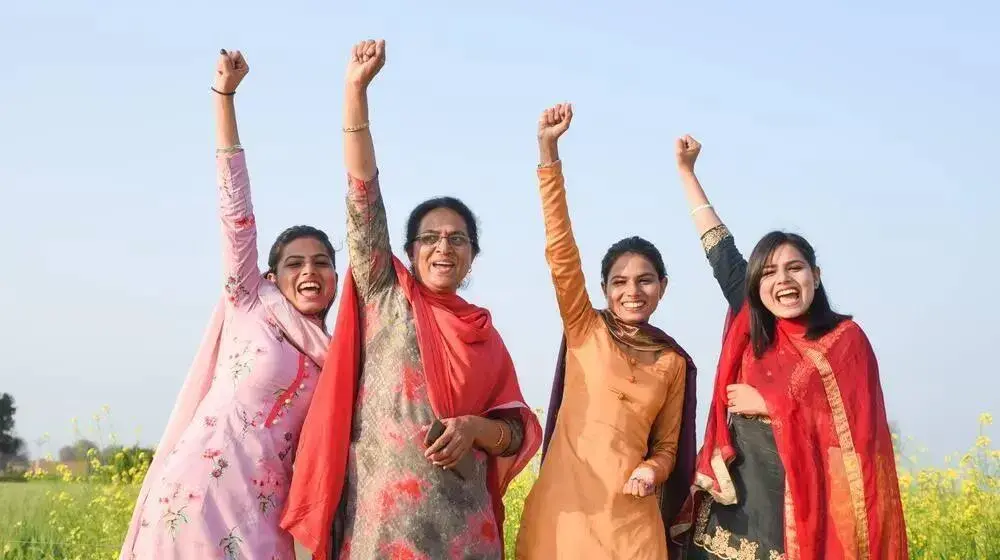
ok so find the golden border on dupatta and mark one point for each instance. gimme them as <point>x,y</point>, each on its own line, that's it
<point>727,491</point>
<point>852,464</point>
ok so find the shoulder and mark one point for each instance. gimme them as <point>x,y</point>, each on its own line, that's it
<point>847,333</point>
<point>672,363</point>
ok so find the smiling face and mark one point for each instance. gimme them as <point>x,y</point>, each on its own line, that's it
<point>442,251</point>
<point>634,288</point>
<point>305,275</point>
<point>788,284</point>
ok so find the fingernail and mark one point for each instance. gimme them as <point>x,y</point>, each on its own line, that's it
<point>222,51</point>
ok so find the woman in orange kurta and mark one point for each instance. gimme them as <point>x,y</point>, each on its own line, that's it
<point>616,436</point>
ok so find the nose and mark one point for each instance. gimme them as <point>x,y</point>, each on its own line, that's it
<point>308,268</point>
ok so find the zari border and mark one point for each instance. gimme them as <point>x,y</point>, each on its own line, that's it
<point>791,535</point>
<point>727,491</point>
<point>852,464</point>
<point>719,544</point>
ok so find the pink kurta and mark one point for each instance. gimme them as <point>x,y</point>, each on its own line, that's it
<point>218,485</point>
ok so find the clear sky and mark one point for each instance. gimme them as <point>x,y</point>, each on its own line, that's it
<point>870,128</point>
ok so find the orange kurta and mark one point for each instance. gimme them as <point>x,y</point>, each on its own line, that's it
<point>617,413</point>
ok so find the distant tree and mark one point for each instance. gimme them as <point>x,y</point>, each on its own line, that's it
<point>77,451</point>
<point>11,446</point>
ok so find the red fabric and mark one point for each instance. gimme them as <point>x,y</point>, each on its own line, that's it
<point>818,413</point>
<point>468,371</point>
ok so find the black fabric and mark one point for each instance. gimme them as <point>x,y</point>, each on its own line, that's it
<point>758,516</point>
<point>730,271</point>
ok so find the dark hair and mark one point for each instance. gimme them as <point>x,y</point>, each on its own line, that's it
<point>427,206</point>
<point>291,234</point>
<point>820,317</point>
<point>635,245</point>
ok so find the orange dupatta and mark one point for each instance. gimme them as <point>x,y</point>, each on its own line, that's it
<point>468,371</point>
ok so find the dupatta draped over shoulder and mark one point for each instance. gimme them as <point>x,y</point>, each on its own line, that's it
<point>469,372</point>
<point>644,338</point>
<point>828,417</point>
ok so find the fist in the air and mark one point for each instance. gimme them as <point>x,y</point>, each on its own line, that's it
<point>554,122</point>
<point>230,71</point>
<point>367,58</point>
<point>686,149</point>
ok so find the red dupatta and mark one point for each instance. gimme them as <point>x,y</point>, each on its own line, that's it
<point>468,371</point>
<point>828,415</point>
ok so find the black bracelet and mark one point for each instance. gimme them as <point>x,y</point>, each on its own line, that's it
<point>223,93</point>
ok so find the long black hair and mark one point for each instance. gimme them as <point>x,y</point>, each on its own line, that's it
<point>820,317</point>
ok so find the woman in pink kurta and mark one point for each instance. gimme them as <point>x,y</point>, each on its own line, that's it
<point>218,482</point>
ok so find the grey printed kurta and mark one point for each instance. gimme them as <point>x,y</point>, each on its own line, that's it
<point>398,505</point>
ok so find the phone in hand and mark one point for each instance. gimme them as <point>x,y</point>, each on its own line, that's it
<point>466,466</point>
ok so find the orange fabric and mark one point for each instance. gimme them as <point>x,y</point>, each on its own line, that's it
<point>617,412</point>
<point>832,435</point>
<point>468,370</point>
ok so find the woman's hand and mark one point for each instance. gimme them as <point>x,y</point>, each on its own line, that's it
<point>230,71</point>
<point>686,149</point>
<point>551,125</point>
<point>744,399</point>
<point>554,122</point>
<point>458,438</point>
<point>640,484</point>
<point>367,58</point>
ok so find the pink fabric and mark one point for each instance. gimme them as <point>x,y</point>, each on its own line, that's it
<point>221,471</point>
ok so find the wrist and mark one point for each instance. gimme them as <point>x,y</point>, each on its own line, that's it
<point>686,170</point>
<point>355,87</point>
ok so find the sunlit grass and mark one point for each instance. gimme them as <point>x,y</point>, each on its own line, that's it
<point>951,512</point>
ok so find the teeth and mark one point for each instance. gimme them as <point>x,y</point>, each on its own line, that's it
<point>633,304</point>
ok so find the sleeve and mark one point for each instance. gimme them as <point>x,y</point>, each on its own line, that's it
<point>239,229</point>
<point>368,238</point>
<point>728,265</point>
<point>563,255</point>
<point>666,427</point>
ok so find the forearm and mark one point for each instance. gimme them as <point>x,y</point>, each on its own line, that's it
<point>548,152</point>
<point>227,135</point>
<point>704,215</point>
<point>497,436</point>
<point>359,149</point>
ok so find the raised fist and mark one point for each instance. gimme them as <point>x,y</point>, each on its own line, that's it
<point>554,122</point>
<point>367,58</point>
<point>686,149</point>
<point>230,71</point>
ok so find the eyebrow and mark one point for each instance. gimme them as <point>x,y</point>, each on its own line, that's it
<point>315,256</point>
<point>643,275</point>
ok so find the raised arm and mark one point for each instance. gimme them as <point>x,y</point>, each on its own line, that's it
<point>367,228</point>
<point>728,265</point>
<point>239,229</point>
<point>561,252</point>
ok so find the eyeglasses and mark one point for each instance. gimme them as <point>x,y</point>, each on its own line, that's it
<point>433,238</point>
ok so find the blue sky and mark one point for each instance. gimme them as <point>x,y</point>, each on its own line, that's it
<point>871,129</point>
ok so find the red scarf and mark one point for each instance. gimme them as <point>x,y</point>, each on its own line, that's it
<point>828,415</point>
<point>468,370</point>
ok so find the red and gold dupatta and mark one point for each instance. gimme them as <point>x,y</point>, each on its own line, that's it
<point>828,415</point>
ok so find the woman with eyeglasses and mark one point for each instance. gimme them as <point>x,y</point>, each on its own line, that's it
<point>619,440</point>
<point>419,407</point>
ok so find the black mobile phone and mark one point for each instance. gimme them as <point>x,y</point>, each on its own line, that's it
<point>465,467</point>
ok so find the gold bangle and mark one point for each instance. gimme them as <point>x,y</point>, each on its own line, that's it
<point>356,128</point>
<point>503,434</point>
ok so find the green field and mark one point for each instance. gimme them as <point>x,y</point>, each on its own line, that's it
<point>951,512</point>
